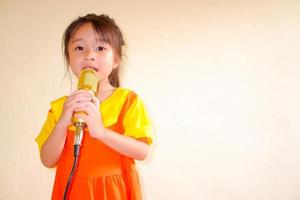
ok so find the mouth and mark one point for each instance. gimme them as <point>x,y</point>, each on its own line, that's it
<point>90,67</point>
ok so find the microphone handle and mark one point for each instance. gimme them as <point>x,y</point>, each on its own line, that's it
<point>79,126</point>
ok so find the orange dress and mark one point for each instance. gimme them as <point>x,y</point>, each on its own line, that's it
<point>101,173</point>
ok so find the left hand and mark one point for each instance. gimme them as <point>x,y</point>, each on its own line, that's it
<point>93,117</point>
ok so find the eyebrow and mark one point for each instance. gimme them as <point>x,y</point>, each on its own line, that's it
<point>101,40</point>
<point>76,40</point>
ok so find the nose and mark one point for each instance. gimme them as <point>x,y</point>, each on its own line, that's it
<point>90,55</point>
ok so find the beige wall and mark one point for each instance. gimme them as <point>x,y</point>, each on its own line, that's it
<point>221,80</point>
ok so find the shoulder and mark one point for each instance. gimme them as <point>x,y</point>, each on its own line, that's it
<point>59,100</point>
<point>58,103</point>
<point>124,91</point>
<point>119,96</point>
<point>132,99</point>
<point>57,106</point>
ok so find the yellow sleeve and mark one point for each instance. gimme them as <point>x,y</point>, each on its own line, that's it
<point>137,122</point>
<point>46,129</point>
<point>52,117</point>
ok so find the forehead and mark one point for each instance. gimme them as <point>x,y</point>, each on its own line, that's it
<point>86,32</point>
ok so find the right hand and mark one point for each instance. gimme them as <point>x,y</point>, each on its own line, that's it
<point>74,101</point>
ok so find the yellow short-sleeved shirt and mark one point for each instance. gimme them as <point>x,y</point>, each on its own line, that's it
<point>136,121</point>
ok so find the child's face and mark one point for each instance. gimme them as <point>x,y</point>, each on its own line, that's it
<point>87,50</point>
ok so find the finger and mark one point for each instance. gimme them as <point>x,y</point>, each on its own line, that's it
<point>80,96</point>
<point>79,99</point>
<point>74,104</point>
<point>74,93</point>
<point>96,101</point>
<point>80,93</point>
<point>87,107</point>
<point>77,106</point>
<point>76,98</point>
<point>85,115</point>
<point>83,91</point>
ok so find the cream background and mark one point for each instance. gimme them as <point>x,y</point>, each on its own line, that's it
<point>220,78</point>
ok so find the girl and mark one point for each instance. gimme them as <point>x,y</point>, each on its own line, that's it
<point>118,126</point>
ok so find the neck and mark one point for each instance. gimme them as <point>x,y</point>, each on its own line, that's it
<point>105,89</point>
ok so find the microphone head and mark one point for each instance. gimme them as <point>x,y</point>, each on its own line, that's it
<point>88,80</point>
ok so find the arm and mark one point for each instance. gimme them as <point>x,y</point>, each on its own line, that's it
<point>125,145</point>
<point>53,147</point>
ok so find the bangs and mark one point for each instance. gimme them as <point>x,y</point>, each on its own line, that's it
<point>103,33</point>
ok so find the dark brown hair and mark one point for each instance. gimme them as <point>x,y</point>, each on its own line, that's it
<point>108,30</point>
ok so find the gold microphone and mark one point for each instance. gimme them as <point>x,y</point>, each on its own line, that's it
<point>88,80</point>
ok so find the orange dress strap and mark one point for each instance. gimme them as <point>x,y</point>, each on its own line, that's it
<point>102,173</point>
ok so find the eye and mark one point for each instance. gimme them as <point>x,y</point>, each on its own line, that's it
<point>79,48</point>
<point>100,48</point>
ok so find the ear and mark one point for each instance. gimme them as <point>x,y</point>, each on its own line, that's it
<point>116,66</point>
<point>117,60</point>
<point>116,63</point>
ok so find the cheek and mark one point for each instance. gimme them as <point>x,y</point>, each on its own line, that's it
<point>75,71</point>
<point>106,61</point>
<point>74,59</point>
<point>73,64</point>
